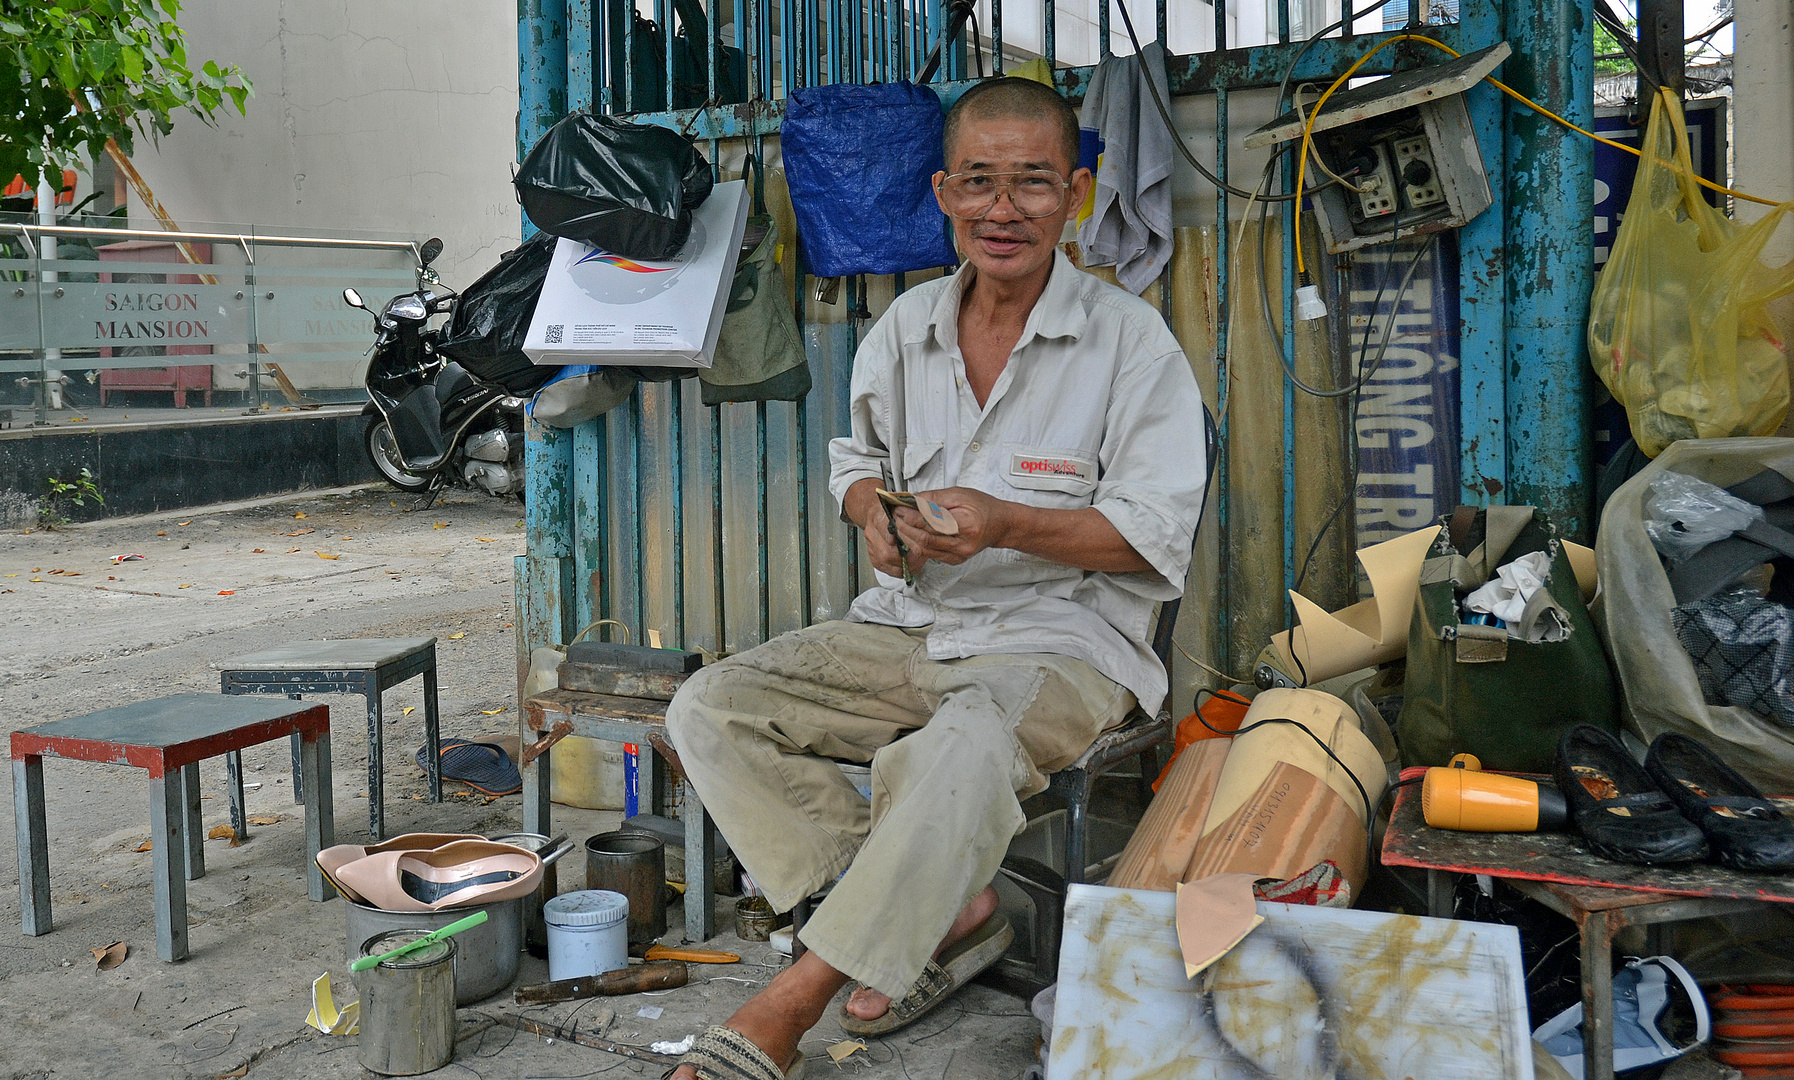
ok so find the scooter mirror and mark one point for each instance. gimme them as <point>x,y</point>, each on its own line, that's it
<point>432,248</point>
<point>353,299</point>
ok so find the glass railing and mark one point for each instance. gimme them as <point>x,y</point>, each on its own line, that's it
<point>99,321</point>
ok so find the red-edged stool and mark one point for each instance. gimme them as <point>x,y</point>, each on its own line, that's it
<point>169,737</point>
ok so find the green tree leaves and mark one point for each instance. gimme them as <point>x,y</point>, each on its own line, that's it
<point>76,74</point>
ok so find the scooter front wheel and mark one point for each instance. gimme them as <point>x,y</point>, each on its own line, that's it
<point>383,452</point>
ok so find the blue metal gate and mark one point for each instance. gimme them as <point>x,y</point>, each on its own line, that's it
<point>714,525</point>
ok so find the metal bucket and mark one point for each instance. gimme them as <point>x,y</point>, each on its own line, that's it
<point>486,956</point>
<point>634,864</point>
<point>407,1005</point>
<point>535,932</point>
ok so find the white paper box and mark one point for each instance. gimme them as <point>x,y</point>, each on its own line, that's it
<point>600,308</point>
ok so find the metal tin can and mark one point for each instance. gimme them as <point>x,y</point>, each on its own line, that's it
<point>635,865</point>
<point>407,1005</point>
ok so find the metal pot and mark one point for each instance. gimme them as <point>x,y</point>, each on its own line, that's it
<point>486,956</point>
<point>535,931</point>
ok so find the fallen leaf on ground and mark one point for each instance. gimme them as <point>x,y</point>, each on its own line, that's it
<point>242,1070</point>
<point>145,846</point>
<point>257,551</point>
<point>842,1050</point>
<point>409,709</point>
<point>300,514</point>
<point>224,832</point>
<point>12,575</point>
<point>161,534</point>
<point>492,712</point>
<point>301,532</point>
<point>291,550</point>
<point>227,592</point>
<point>189,585</point>
<point>266,819</point>
<point>345,538</point>
<point>487,539</point>
<point>458,636</point>
<point>107,957</point>
<point>321,555</point>
<point>439,525</point>
<point>506,626</point>
<point>183,524</point>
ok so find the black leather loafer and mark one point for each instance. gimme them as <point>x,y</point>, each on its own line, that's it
<point>1745,830</point>
<point>1618,809</point>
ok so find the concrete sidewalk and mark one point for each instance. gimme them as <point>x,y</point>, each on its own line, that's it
<point>220,583</point>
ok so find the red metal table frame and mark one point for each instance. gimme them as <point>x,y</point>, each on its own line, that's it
<point>168,737</point>
<point>1600,896</point>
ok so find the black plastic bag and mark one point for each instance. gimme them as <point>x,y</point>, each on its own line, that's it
<point>485,334</point>
<point>627,188</point>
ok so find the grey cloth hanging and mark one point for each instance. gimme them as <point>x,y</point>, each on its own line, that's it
<point>1130,226</point>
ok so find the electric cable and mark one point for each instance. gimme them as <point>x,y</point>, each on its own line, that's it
<point>1165,113</point>
<point>1351,488</point>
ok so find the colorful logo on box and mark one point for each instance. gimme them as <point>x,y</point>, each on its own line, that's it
<point>618,261</point>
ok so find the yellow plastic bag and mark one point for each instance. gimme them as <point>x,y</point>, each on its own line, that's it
<point>1679,327</point>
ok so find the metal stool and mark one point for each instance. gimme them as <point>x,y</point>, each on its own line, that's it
<point>365,666</point>
<point>168,737</point>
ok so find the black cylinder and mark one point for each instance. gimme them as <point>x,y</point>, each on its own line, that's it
<point>634,864</point>
<point>1554,815</point>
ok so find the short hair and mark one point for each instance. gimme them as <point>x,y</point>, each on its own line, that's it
<point>1014,97</point>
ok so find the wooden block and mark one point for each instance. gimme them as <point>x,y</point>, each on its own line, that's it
<point>1161,847</point>
<point>633,657</point>
<point>621,682</point>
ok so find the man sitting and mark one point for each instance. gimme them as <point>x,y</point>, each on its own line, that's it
<point>1058,422</point>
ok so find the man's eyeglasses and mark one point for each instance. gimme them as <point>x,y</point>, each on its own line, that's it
<point>1034,192</point>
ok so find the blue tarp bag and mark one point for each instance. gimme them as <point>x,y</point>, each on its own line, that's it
<point>858,160</point>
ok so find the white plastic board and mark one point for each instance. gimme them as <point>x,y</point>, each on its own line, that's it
<point>597,307</point>
<point>1312,994</point>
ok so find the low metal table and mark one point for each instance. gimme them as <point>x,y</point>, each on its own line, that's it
<point>1600,896</point>
<point>168,737</point>
<point>365,666</point>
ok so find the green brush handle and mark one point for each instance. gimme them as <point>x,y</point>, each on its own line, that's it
<point>456,927</point>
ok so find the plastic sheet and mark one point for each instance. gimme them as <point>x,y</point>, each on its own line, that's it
<point>1687,514</point>
<point>859,160</point>
<point>1662,690</point>
<point>1679,328</point>
<point>1742,645</point>
<point>627,188</point>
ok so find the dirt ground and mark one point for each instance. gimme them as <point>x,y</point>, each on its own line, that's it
<point>83,633</point>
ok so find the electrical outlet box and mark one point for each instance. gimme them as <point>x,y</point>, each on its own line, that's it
<point>1404,144</point>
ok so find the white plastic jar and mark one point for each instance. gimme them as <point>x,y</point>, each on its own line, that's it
<point>588,933</point>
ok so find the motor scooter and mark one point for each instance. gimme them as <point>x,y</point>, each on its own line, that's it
<point>429,422</point>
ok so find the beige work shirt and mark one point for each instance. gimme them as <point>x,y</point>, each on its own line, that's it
<point>1096,407</point>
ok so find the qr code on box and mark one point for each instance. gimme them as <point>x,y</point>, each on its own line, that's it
<point>552,336</point>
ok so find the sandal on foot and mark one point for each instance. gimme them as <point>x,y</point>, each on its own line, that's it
<point>726,1054</point>
<point>940,978</point>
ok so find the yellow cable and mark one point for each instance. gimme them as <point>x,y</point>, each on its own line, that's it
<point>1308,129</point>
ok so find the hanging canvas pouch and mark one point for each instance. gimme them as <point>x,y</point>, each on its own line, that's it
<point>1481,689</point>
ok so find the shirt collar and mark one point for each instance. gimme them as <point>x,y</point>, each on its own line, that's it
<point>1058,313</point>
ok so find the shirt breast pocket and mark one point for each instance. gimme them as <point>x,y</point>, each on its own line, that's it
<point>1052,477</point>
<point>921,465</point>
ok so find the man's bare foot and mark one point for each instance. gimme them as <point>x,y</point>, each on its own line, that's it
<point>868,1004</point>
<point>777,1017</point>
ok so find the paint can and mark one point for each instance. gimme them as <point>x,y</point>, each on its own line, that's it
<point>588,933</point>
<point>634,864</point>
<point>407,1005</point>
<point>755,919</point>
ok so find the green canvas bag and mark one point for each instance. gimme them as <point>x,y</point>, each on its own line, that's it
<point>1476,689</point>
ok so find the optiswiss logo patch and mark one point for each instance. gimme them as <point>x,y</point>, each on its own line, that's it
<point>1063,468</point>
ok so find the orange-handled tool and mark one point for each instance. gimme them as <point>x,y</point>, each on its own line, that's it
<point>691,956</point>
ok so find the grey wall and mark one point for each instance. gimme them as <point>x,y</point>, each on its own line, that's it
<point>395,115</point>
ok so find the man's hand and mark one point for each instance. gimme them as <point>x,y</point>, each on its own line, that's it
<point>865,510</point>
<point>984,522</point>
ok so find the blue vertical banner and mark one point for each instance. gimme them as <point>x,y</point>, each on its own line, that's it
<point>1407,415</point>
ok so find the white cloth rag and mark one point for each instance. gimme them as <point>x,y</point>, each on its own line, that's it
<point>1507,595</point>
<point>1129,228</point>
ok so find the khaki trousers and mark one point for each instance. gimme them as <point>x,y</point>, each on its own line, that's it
<point>954,746</point>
